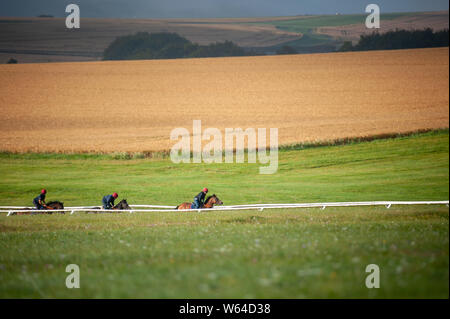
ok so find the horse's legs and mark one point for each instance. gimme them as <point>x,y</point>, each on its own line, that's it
<point>184,206</point>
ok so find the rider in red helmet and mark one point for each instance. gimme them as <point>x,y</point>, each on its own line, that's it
<point>199,200</point>
<point>108,201</point>
<point>39,201</point>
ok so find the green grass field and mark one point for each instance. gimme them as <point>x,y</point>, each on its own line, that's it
<point>294,253</point>
<point>308,25</point>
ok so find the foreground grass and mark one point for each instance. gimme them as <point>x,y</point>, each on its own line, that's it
<point>295,253</point>
<point>306,253</point>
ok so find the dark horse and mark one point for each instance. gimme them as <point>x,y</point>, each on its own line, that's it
<point>209,203</point>
<point>55,205</point>
<point>121,205</point>
<point>48,210</point>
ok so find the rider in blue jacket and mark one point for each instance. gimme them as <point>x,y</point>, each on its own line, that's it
<point>39,201</point>
<point>199,200</point>
<point>108,201</point>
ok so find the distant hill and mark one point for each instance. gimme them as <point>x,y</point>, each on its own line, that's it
<point>166,45</point>
<point>304,34</point>
<point>399,39</point>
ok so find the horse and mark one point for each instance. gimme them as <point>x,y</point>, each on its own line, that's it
<point>121,205</point>
<point>55,205</point>
<point>209,203</point>
<point>48,210</point>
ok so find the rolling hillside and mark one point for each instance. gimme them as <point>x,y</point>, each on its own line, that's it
<point>47,39</point>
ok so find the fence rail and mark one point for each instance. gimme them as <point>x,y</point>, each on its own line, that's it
<point>162,208</point>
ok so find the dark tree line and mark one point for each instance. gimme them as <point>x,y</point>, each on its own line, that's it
<point>399,39</point>
<point>286,49</point>
<point>143,45</point>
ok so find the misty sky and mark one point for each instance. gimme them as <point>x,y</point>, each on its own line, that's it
<point>209,8</point>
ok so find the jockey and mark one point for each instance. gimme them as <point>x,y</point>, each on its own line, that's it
<point>108,201</point>
<point>39,201</point>
<point>199,199</point>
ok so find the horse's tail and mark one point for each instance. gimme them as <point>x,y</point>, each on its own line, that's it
<point>177,207</point>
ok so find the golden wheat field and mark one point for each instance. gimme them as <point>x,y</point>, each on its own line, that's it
<point>133,105</point>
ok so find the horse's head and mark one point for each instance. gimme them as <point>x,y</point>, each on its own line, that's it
<point>122,205</point>
<point>56,205</point>
<point>213,200</point>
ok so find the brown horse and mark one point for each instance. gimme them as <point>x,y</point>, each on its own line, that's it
<point>121,205</point>
<point>209,203</point>
<point>48,209</point>
<point>55,205</point>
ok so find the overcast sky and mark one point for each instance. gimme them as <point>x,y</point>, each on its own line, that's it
<point>209,8</point>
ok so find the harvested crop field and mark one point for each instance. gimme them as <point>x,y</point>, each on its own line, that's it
<point>133,105</point>
<point>18,36</point>
<point>433,20</point>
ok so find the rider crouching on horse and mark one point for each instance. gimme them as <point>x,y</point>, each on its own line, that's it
<point>108,201</point>
<point>199,200</point>
<point>39,201</point>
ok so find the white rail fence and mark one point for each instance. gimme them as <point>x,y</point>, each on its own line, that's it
<point>9,210</point>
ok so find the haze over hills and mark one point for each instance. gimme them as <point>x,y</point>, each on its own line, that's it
<point>157,9</point>
<point>47,39</point>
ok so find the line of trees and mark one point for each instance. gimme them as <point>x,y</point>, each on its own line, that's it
<point>286,49</point>
<point>164,45</point>
<point>399,39</point>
